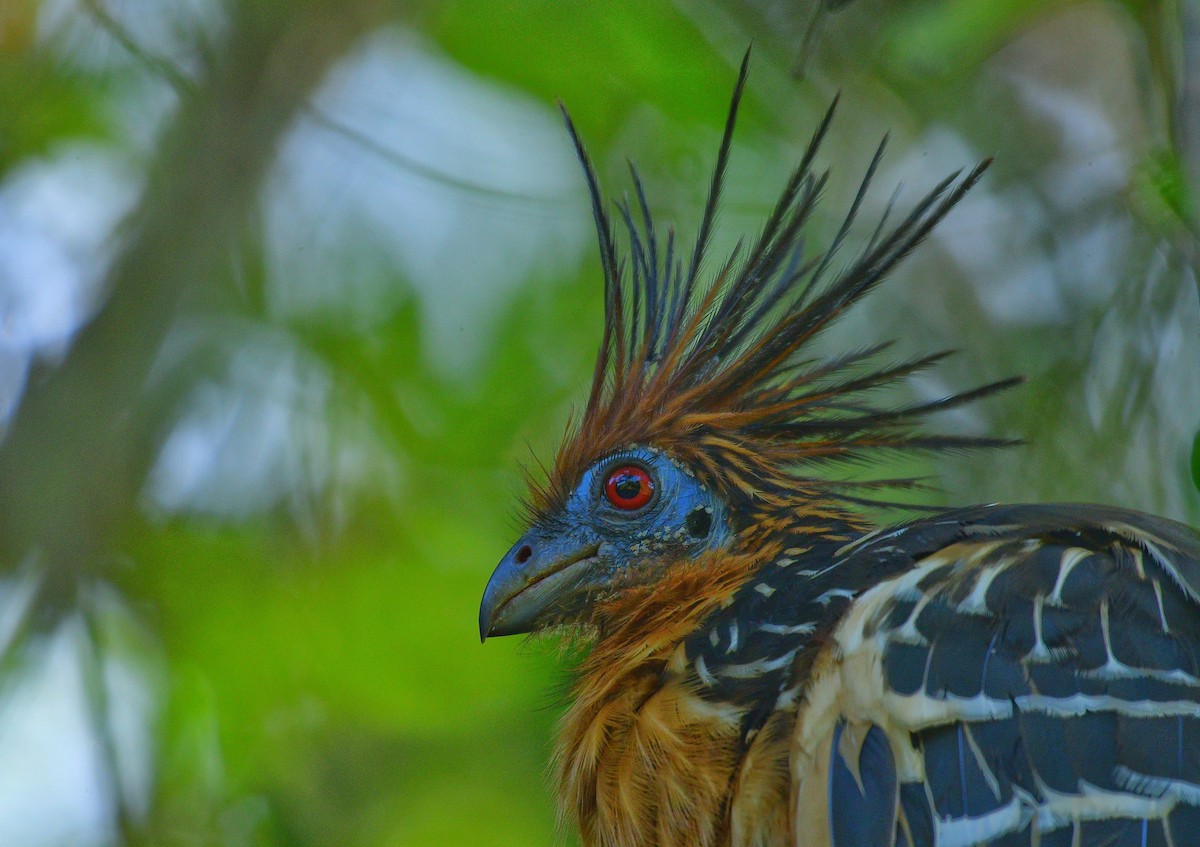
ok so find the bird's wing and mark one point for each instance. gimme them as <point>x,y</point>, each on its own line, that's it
<point>1032,678</point>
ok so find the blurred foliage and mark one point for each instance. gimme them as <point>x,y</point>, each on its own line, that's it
<point>1196,460</point>
<point>269,421</point>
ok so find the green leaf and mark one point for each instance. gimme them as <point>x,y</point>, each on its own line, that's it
<point>1196,460</point>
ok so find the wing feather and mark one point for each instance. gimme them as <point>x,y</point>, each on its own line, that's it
<point>1036,671</point>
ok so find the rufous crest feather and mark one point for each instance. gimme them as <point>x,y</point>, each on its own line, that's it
<point>717,372</point>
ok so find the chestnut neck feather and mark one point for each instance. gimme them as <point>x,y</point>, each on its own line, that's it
<point>639,722</point>
<point>612,752</point>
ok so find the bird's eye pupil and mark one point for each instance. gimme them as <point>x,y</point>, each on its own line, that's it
<point>629,488</point>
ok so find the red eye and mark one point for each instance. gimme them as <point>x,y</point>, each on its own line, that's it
<point>629,488</point>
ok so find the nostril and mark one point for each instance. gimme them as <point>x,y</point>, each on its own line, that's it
<point>524,553</point>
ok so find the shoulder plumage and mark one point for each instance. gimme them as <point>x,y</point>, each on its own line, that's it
<point>1027,671</point>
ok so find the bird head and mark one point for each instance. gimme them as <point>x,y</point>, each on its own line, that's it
<point>710,424</point>
<point>629,516</point>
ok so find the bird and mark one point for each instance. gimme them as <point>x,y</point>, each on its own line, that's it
<point>764,662</point>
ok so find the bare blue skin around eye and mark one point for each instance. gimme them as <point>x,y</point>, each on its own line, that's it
<point>662,524</point>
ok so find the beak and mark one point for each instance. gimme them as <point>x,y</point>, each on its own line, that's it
<point>536,576</point>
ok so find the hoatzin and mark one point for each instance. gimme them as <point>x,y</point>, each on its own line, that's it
<point>766,667</point>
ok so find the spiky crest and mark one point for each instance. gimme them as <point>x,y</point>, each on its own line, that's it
<point>716,374</point>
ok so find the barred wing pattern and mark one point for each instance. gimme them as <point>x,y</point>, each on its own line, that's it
<point>1031,678</point>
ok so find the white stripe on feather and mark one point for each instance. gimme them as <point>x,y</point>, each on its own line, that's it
<point>965,832</point>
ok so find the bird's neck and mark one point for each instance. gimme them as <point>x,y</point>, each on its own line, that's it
<point>638,720</point>
<point>629,696</point>
<point>646,623</point>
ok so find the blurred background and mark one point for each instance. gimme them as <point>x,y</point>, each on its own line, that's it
<point>290,290</point>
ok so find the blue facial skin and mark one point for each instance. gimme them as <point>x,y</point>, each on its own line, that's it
<point>659,525</point>
<point>575,555</point>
